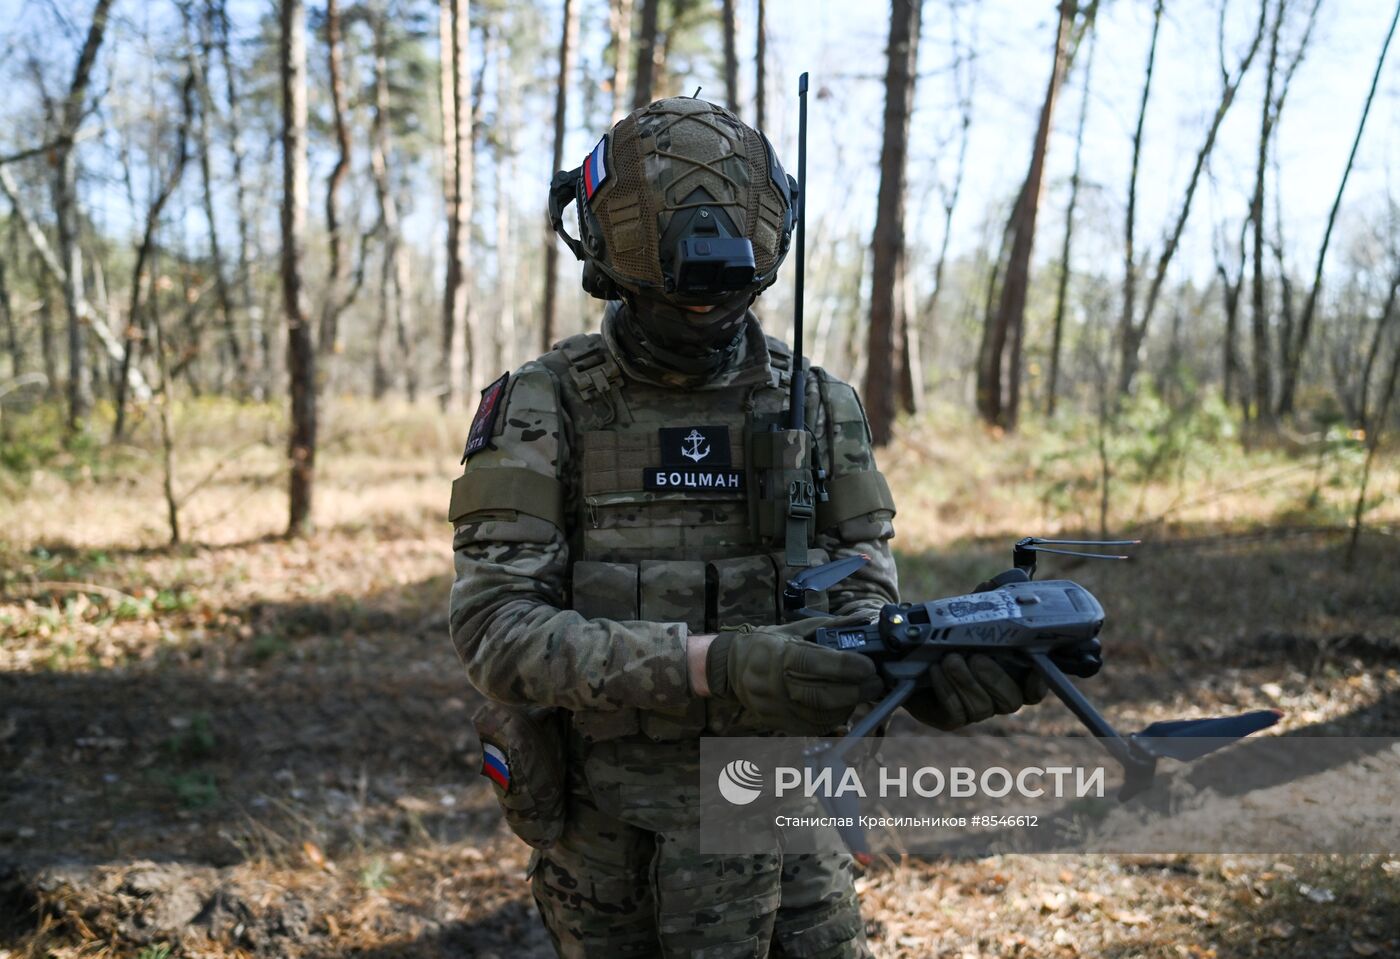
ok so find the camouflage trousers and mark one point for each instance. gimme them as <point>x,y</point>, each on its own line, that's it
<point>627,878</point>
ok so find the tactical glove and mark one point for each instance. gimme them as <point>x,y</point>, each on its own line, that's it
<point>789,684</point>
<point>969,689</point>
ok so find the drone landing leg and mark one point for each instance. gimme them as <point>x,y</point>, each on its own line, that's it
<point>1137,769</point>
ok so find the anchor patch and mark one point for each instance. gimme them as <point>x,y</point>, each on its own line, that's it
<point>694,445</point>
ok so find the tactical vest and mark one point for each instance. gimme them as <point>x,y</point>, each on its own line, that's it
<point>673,511</point>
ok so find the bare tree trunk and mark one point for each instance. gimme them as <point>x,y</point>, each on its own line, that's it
<point>887,244</point>
<point>1373,443</point>
<point>1388,312</point>
<point>567,41</point>
<point>911,371</point>
<point>256,372</point>
<point>54,269</point>
<point>1231,372</point>
<point>454,315</point>
<point>146,250</point>
<point>620,23</point>
<point>48,348</point>
<point>1062,288</point>
<point>233,351</point>
<point>646,54</point>
<point>760,65</point>
<point>1126,322</point>
<point>7,313</point>
<point>1293,352</point>
<point>478,365</point>
<point>457,62</point>
<point>395,273</point>
<point>165,416</point>
<point>301,351</point>
<point>1010,312</point>
<point>1133,335</point>
<point>507,338</point>
<point>730,27</point>
<point>1263,407</point>
<point>65,190</point>
<point>334,303</point>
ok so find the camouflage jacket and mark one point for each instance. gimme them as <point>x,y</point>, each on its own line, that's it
<point>578,579</point>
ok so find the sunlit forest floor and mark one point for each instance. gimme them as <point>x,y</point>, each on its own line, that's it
<point>243,746</point>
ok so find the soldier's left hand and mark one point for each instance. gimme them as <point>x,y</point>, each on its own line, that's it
<point>969,689</point>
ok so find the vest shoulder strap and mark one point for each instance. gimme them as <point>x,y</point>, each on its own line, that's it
<point>588,373</point>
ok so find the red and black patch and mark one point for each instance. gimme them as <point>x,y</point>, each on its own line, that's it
<point>484,422</point>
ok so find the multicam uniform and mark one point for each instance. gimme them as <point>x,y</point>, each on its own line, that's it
<point>616,510</point>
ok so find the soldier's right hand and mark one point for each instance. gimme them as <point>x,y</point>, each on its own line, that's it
<point>789,684</point>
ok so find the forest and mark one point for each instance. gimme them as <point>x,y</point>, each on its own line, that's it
<point>1098,267</point>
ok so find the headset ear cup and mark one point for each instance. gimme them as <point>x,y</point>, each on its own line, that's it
<point>598,284</point>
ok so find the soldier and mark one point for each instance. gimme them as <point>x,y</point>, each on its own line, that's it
<point>623,529</point>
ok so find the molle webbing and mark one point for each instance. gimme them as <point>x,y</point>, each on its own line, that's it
<point>593,376</point>
<point>852,495</point>
<point>706,596</point>
<point>507,488</point>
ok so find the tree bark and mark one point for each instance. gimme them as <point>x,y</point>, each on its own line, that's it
<point>1126,321</point>
<point>454,310</point>
<point>1293,352</point>
<point>334,303</point>
<point>887,243</point>
<point>992,402</point>
<point>394,277</point>
<point>567,41</point>
<point>1052,384</point>
<point>620,23</point>
<point>646,54</point>
<point>507,337</point>
<point>730,27</point>
<point>65,189</point>
<point>301,351</point>
<point>1262,393</point>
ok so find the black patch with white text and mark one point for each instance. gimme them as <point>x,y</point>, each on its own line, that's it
<point>695,446</point>
<point>484,422</point>
<point>700,479</point>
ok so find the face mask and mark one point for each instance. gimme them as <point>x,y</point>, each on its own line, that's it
<point>684,341</point>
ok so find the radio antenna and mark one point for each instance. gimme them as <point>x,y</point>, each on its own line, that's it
<point>797,401</point>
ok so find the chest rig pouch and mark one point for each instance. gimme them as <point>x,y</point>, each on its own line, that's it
<point>684,501</point>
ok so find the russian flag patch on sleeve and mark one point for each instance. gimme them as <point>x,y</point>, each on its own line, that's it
<point>595,168</point>
<point>494,766</point>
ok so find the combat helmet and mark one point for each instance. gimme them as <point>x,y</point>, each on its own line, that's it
<point>680,205</point>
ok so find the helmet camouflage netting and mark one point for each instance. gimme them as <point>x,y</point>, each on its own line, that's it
<point>658,166</point>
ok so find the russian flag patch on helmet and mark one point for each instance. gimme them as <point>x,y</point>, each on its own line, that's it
<point>494,766</point>
<point>595,168</point>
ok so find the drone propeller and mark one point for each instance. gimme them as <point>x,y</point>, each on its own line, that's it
<point>817,578</point>
<point>1023,553</point>
<point>1188,739</point>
